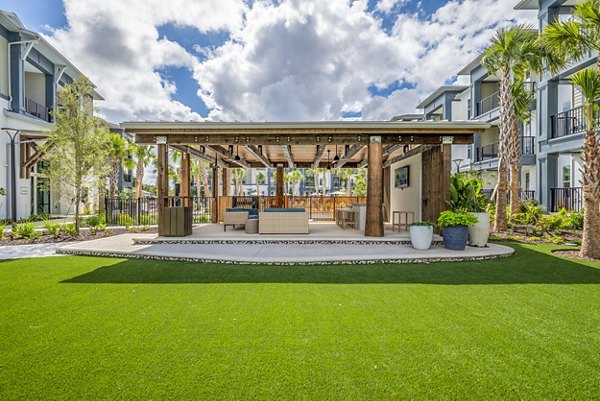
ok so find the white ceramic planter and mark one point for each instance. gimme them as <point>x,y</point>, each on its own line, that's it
<point>480,232</point>
<point>421,237</point>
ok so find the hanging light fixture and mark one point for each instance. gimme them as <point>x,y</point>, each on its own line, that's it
<point>216,162</point>
<point>237,154</point>
<point>328,165</point>
<point>336,158</point>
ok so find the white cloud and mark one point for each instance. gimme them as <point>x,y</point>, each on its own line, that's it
<point>288,60</point>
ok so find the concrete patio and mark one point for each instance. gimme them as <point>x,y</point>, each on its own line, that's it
<point>327,244</point>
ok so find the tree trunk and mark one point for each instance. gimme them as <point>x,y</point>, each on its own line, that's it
<point>507,116</point>
<point>590,244</point>
<point>515,161</point>
<point>101,194</point>
<point>139,177</point>
<point>114,176</point>
<point>77,201</point>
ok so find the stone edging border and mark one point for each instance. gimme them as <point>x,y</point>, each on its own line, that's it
<point>235,262</point>
<point>137,241</point>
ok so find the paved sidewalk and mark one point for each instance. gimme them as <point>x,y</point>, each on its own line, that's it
<point>30,251</point>
<point>277,253</point>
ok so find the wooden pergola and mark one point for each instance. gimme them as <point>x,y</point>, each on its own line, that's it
<point>376,145</point>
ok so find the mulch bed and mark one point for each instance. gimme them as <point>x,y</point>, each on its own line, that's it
<point>84,235</point>
<point>572,254</point>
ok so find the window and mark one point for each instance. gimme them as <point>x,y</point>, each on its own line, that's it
<point>527,181</point>
<point>566,176</point>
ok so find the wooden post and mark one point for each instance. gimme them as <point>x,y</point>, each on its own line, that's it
<point>215,194</point>
<point>185,175</point>
<point>226,181</point>
<point>374,226</point>
<point>279,188</point>
<point>162,183</point>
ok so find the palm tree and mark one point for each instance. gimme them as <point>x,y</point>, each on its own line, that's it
<point>143,155</point>
<point>295,178</point>
<point>260,179</point>
<point>199,169</point>
<point>589,81</point>
<point>120,149</point>
<point>346,175</point>
<point>238,176</point>
<point>523,97</point>
<point>572,40</point>
<point>511,55</point>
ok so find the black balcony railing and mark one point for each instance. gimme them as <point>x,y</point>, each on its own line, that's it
<point>569,122</point>
<point>37,110</point>
<point>527,145</point>
<point>524,195</point>
<point>487,152</point>
<point>488,104</point>
<point>568,198</point>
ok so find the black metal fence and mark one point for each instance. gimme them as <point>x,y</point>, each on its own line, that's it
<point>524,195</point>
<point>568,198</point>
<point>487,152</point>
<point>489,103</point>
<point>144,211</point>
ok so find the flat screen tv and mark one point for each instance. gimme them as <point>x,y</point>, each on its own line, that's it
<point>401,177</point>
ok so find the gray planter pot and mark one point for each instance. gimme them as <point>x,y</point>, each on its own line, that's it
<point>455,238</point>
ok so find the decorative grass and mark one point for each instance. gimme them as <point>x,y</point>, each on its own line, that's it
<point>525,327</point>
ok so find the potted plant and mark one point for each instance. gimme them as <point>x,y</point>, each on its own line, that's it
<point>466,194</point>
<point>455,228</point>
<point>421,235</point>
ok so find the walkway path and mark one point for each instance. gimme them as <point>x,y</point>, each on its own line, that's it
<point>276,253</point>
<point>30,251</point>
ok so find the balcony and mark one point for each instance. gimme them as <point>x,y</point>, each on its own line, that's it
<point>569,122</point>
<point>487,152</point>
<point>37,110</point>
<point>488,104</point>
<point>490,152</point>
<point>569,198</point>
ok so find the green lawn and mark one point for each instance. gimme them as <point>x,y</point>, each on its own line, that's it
<point>526,327</point>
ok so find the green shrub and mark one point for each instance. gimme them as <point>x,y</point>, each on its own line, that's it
<point>25,230</point>
<point>147,220</point>
<point>573,221</point>
<point>69,229</point>
<point>203,218</point>
<point>2,227</point>
<point>96,222</point>
<point>465,193</point>
<point>124,219</point>
<point>449,218</point>
<point>52,228</point>
<point>551,222</point>
<point>423,224</point>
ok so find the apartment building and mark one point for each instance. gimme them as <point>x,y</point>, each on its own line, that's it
<point>560,119</point>
<point>31,74</point>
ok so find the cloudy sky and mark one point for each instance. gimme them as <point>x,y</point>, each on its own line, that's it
<point>266,60</point>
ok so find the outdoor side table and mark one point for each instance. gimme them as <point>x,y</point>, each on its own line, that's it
<point>251,226</point>
<point>398,222</point>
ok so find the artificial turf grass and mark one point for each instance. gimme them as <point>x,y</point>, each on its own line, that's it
<point>525,327</point>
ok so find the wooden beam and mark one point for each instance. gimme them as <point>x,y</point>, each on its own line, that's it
<point>185,189</point>
<point>319,156</point>
<point>390,148</point>
<point>256,153</point>
<point>374,225</point>
<point>279,186</point>
<point>300,139</point>
<point>162,185</point>
<point>412,152</point>
<point>197,153</point>
<point>225,154</point>
<point>215,195</point>
<point>354,149</point>
<point>226,182</point>
<point>287,151</point>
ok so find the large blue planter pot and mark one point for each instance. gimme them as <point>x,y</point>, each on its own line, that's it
<point>455,238</point>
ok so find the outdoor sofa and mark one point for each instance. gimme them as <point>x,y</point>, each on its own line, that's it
<point>283,221</point>
<point>237,216</point>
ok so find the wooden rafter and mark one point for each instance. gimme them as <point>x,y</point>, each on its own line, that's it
<point>197,153</point>
<point>287,151</point>
<point>225,154</point>
<point>354,149</point>
<point>319,156</point>
<point>256,153</point>
<point>412,152</point>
